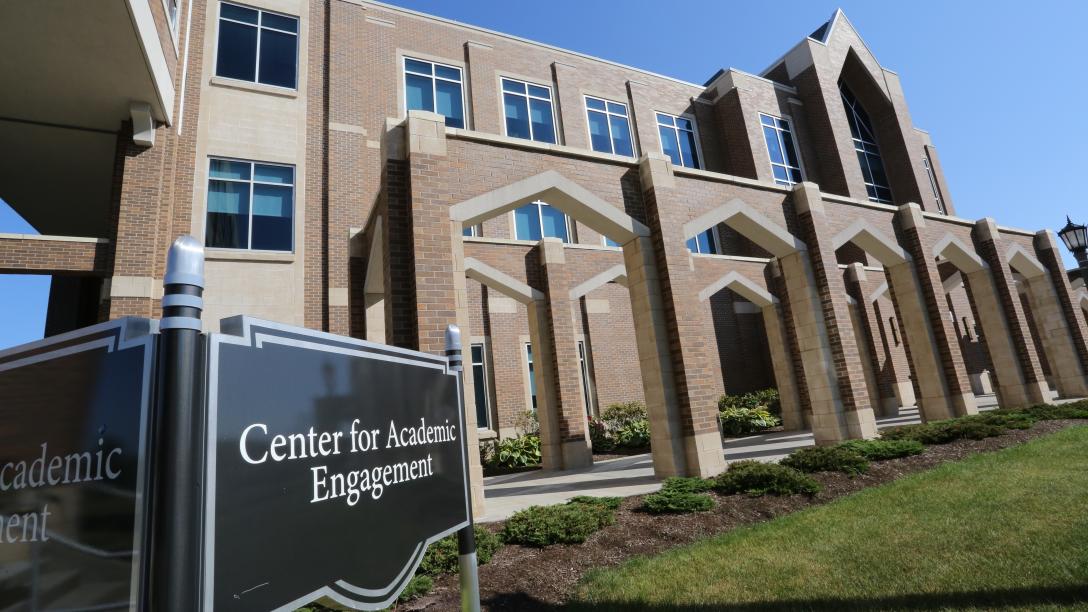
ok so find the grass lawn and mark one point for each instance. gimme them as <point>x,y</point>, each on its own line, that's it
<point>997,530</point>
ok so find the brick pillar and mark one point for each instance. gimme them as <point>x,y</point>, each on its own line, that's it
<point>880,390</point>
<point>782,362</point>
<point>555,325</point>
<point>1046,247</point>
<point>444,297</point>
<point>483,88</point>
<point>957,394</point>
<point>571,110</point>
<point>841,407</point>
<point>991,249</point>
<point>142,221</point>
<point>872,386</point>
<point>691,348</point>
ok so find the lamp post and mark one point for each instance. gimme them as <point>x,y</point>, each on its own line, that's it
<point>1075,237</point>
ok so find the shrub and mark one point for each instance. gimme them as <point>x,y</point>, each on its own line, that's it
<point>527,423</point>
<point>737,421</point>
<point>511,453</point>
<point>943,432</point>
<point>767,399</point>
<point>569,523</point>
<point>633,435</point>
<point>598,436</point>
<point>618,416</point>
<point>687,485</point>
<point>827,459</point>
<point>879,450</point>
<point>442,556</point>
<point>611,503</point>
<point>417,587</point>
<point>676,501</point>
<point>1048,412</point>
<point>755,479</point>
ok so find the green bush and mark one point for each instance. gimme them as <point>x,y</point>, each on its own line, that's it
<point>766,398</point>
<point>618,416</point>
<point>633,435</point>
<point>827,459</point>
<point>569,523</point>
<point>737,421</point>
<point>598,436</point>
<point>1048,412</point>
<point>755,478</point>
<point>511,453</point>
<point>676,501</point>
<point>417,587</point>
<point>879,450</point>
<point>943,432</point>
<point>442,556</point>
<point>687,485</point>
<point>611,503</point>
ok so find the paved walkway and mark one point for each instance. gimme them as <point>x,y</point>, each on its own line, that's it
<point>634,475</point>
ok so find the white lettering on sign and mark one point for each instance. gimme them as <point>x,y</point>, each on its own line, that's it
<point>257,445</point>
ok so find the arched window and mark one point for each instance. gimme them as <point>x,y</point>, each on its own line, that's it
<point>872,166</point>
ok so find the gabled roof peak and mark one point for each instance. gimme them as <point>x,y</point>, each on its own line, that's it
<point>823,33</point>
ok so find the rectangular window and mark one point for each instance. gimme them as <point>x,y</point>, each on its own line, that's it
<point>705,243</point>
<point>587,393</point>
<point>435,88</point>
<point>250,205</point>
<point>538,220</point>
<point>472,230</point>
<point>785,163</point>
<point>532,374</point>
<point>172,15</point>
<point>528,110</point>
<point>678,140</point>
<point>933,184</point>
<point>609,127</point>
<point>257,46</point>
<point>479,383</point>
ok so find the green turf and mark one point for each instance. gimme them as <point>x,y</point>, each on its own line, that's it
<point>998,530</point>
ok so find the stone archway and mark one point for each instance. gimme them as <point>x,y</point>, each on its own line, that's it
<point>678,448</point>
<point>937,401</point>
<point>1014,388</point>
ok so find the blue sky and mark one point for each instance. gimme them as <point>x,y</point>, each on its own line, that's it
<point>992,82</point>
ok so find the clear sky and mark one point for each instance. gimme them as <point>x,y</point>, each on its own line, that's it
<point>997,84</point>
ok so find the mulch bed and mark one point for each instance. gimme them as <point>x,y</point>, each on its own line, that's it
<point>520,578</point>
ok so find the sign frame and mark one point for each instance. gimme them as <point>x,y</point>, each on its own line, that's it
<point>252,332</point>
<point>113,336</point>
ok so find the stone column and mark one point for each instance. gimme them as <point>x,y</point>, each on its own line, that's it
<point>1006,298</point>
<point>841,407</point>
<point>686,340</point>
<point>1046,247</point>
<point>556,329</point>
<point>949,357</point>
<point>793,351</point>
<point>1056,335</point>
<point>1012,390</point>
<point>782,363</point>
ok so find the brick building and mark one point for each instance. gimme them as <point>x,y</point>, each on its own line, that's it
<point>601,233</point>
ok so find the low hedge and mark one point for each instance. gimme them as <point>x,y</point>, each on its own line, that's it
<point>755,478</point>
<point>880,450</point>
<point>442,556</point>
<point>827,459</point>
<point>674,501</point>
<point>570,523</point>
<point>943,432</point>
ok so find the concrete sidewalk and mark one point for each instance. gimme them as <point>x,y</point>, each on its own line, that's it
<point>634,475</point>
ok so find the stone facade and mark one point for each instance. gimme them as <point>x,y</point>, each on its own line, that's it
<point>851,307</point>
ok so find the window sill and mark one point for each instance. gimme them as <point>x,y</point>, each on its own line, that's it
<point>486,434</point>
<point>214,254</point>
<point>282,92</point>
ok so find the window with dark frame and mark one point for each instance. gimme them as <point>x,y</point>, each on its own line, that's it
<point>785,163</point>
<point>532,374</point>
<point>933,184</point>
<point>257,46</point>
<point>678,140</point>
<point>250,206</point>
<point>872,165</point>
